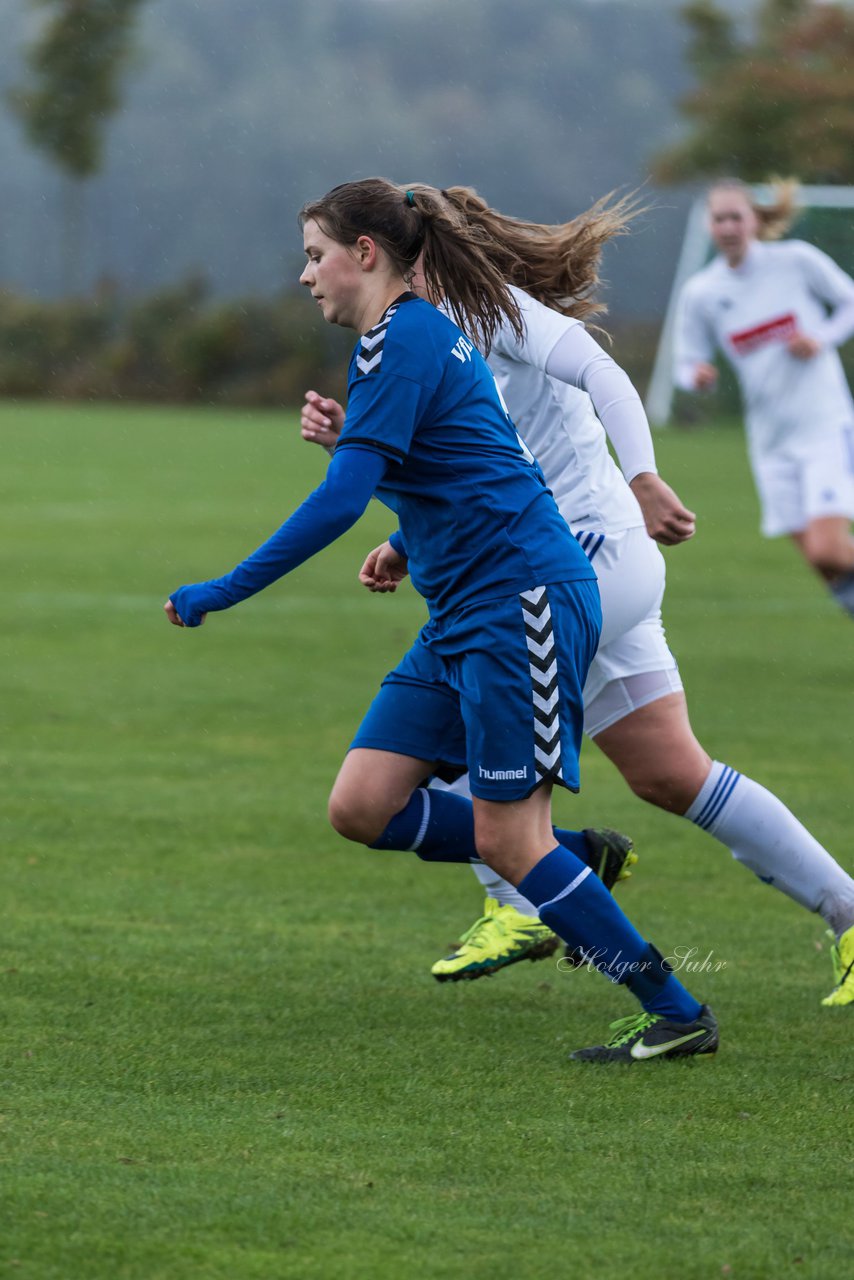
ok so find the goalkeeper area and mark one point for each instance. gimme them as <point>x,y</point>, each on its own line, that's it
<point>825,218</point>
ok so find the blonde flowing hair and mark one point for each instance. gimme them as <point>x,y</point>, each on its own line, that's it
<point>774,216</point>
<point>558,264</point>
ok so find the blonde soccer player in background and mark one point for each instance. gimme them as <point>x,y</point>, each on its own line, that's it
<point>778,312</point>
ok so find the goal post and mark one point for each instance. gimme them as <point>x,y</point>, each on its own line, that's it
<point>697,249</point>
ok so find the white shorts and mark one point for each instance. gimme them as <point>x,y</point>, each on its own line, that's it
<point>796,488</point>
<point>633,665</point>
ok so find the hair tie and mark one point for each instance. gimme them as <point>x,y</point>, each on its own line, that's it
<point>410,199</point>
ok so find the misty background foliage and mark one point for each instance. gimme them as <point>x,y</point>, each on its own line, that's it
<point>235,114</point>
<point>179,247</point>
<point>780,102</point>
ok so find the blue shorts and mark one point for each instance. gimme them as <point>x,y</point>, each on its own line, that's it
<point>495,689</point>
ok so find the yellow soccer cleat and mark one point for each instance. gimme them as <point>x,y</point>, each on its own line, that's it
<point>842,956</point>
<point>502,936</point>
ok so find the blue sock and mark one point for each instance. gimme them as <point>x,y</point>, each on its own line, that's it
<point>436,825</point>
<point>575,841</point>
<point>573,902</point>
<point>439,827</point>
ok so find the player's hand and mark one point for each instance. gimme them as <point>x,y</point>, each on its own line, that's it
<point>705,377</point>
<point>665,517</point>
<point>174,617</point>
<point>321,420</point>
<point>802,347</point>
<point>383,569</point>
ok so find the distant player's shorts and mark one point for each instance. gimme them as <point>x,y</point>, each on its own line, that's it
<point>796,487</point>
<point>633,665</point>
<point>495,689</point>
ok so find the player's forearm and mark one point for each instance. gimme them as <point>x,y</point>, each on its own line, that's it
<point>838,327</point>
<point>694,345</point>
<point>619,409</point>
<point>578,360</point>
<point>325,515</point>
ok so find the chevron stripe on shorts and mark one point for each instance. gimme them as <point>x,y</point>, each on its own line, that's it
<point>542,661</point>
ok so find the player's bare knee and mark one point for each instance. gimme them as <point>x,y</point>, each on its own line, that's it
<point>362,814</point>
<point>351,818</point>
<point>822,560</point>
<point>507,859</point>
<point>489,844</point>
<point>487,850</point>
<point>829,556</point>
<point>665,790</point>
<point>341,819</point>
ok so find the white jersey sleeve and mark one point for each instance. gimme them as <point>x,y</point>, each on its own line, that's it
<point>832,286</point>
<point>577,359</point>
<point>695,339</point>
<point>556,417</point>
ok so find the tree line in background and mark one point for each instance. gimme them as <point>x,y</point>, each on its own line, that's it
<point>233,116</point>
<point>780,100</point>
<point>779,103</point>
<point>776,97</point>
<point>75,66</point>
<point>177,345</point>
<point>182,345</point>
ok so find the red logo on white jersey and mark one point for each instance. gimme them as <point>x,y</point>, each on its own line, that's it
<point>778,330</point>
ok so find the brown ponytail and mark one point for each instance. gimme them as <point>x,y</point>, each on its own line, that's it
<point>419,222</point>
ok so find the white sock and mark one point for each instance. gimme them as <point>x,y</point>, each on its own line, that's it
<point>768,839</point>
<point>506,894</point>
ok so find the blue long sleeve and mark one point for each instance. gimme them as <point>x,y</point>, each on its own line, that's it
<point>332,509</point>
<point>397,543</point>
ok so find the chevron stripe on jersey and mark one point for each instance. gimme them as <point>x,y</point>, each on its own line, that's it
<point>542,661</point>
<point>589,542</point>
<point>372,343</point>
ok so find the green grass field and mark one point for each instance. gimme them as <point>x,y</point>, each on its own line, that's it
<point>223,1055</point>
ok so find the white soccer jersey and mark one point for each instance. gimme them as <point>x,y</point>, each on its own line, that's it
<point>559,425</point>
<point>748,312</point>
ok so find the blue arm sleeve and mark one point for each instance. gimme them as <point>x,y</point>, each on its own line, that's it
<point>329,511</point>
<point>396,540</point>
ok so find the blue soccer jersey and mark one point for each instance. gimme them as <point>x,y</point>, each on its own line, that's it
<point>428,433</point>
<point>475,514</point>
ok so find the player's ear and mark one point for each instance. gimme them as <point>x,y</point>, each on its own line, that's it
<point>366,252</point>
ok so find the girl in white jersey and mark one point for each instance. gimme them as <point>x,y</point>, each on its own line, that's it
<point>778,312</point>
<point>555,380</point>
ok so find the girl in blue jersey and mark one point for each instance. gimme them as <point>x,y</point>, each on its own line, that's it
<point>514,609</point>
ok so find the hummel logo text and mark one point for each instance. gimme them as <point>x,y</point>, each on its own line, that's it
<point>501,775</point>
